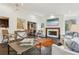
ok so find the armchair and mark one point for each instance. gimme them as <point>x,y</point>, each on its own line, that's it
<point>20,35</point>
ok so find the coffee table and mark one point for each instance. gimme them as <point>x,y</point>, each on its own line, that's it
<point>19,49</point>
<point>42,42</point>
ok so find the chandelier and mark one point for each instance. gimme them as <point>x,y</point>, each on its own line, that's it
<point>18,6</point>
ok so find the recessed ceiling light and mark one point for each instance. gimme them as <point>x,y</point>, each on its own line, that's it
<point>52,16</point>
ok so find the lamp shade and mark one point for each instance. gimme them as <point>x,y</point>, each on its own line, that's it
<point>74,28</point>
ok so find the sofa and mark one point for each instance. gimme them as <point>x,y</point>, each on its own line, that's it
<point>71,40</point>
<point>62,50</point>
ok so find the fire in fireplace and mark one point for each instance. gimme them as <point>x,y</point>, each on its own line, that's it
<point>53,32</point>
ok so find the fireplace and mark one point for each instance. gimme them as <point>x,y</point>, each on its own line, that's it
<point>53,32</point>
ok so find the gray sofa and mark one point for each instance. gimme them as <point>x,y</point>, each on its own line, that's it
<point>71,39</point>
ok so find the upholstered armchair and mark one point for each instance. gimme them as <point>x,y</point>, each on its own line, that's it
<point>20,35</point>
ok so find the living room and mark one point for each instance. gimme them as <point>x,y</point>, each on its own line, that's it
<point>47,23</point>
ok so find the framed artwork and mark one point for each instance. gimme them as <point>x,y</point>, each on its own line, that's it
<point>68,24</point>
<point>21,23</point>
<point>53,22</point>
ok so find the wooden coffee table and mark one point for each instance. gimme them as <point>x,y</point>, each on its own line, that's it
<point>43,42</point>
<point>19,49</point>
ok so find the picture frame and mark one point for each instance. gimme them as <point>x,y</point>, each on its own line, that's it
<point>53,22</point>
<point>21,23</point>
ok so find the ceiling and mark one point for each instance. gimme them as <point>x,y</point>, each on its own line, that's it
<point>48,8</point>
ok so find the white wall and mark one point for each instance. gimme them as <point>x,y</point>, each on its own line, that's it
<point>12,15</point>
<point>5,11</point>
<point>61,24</point>
<point>29,16</point>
